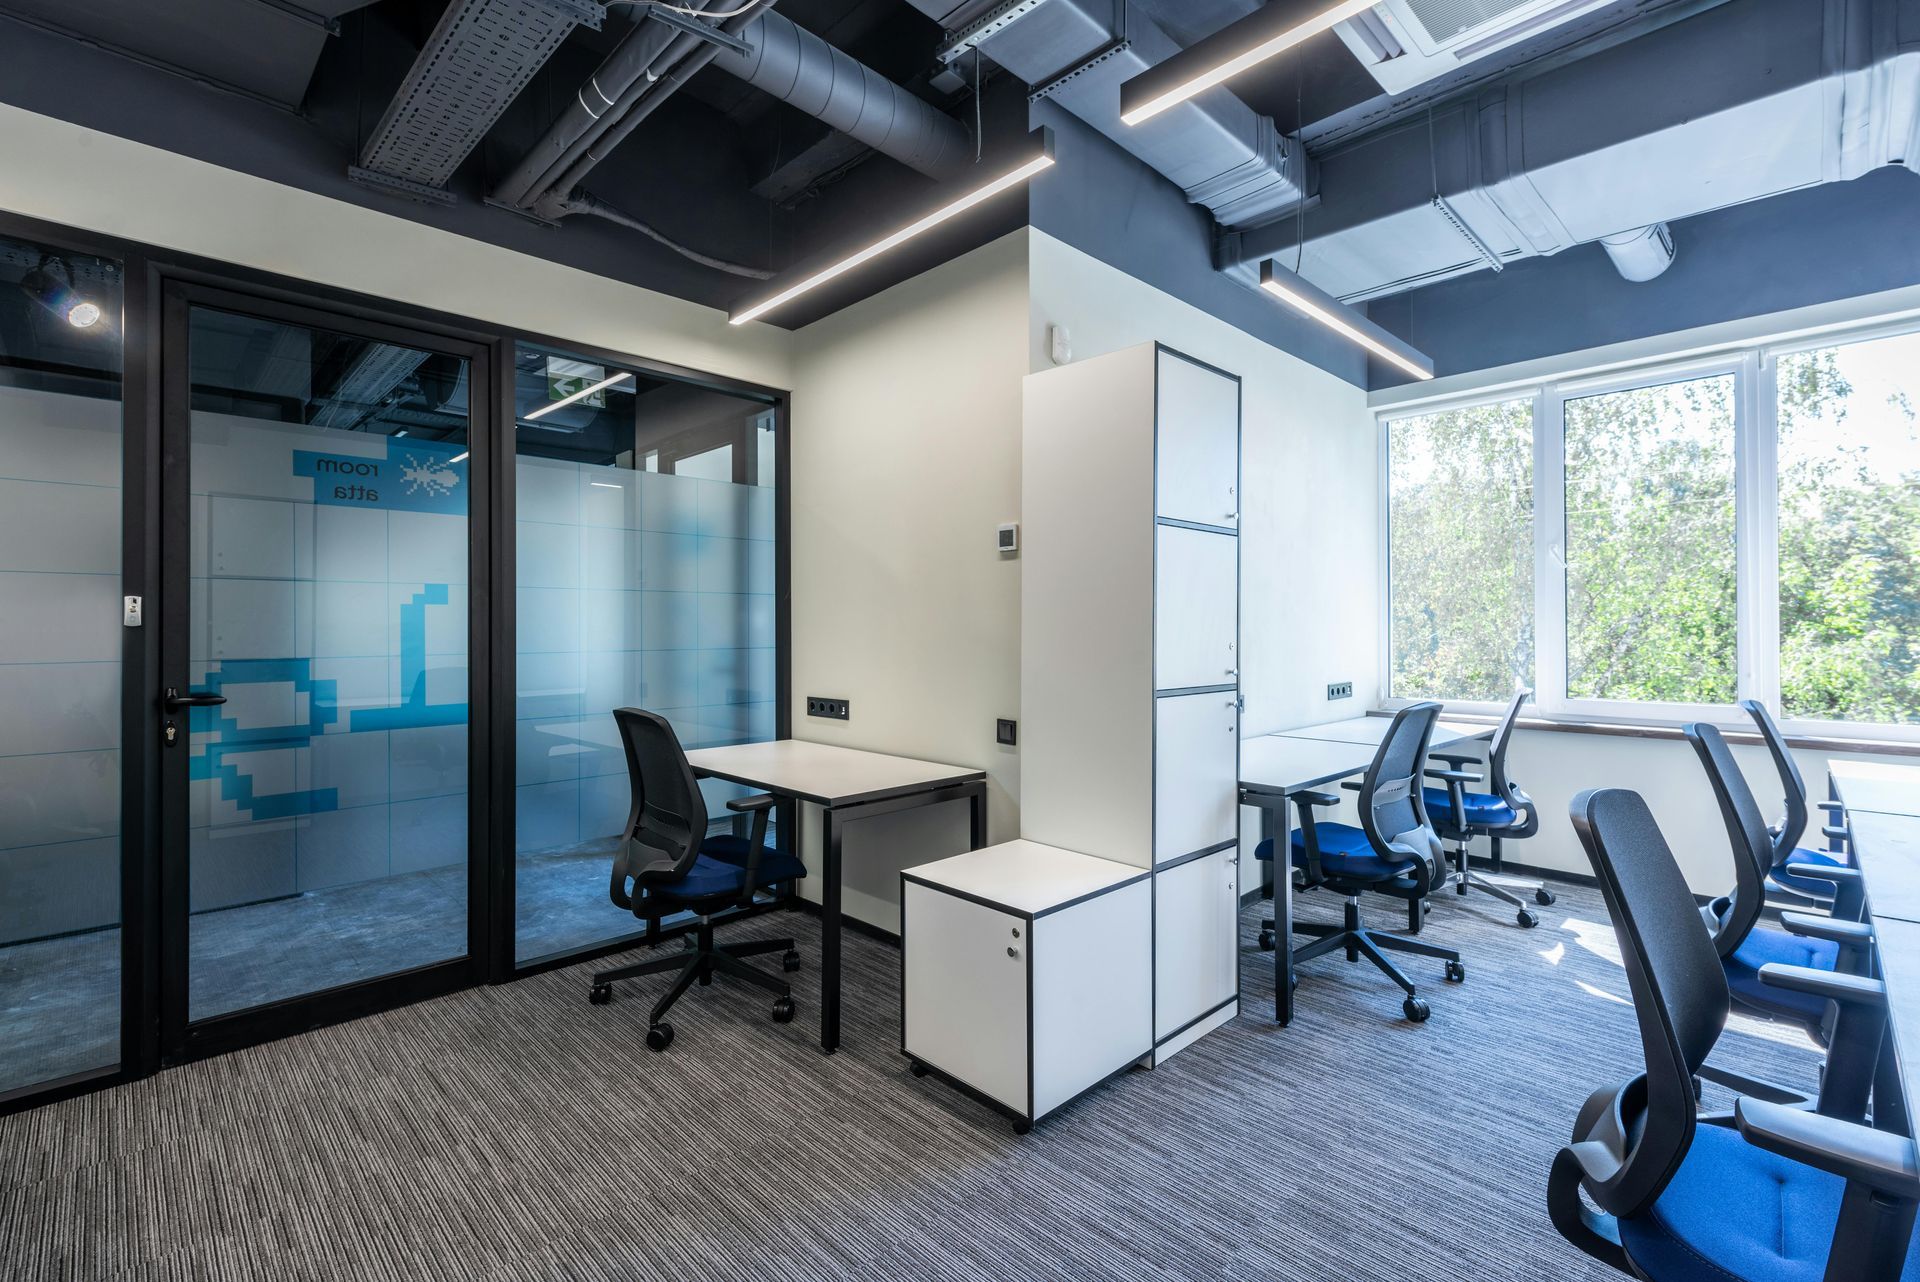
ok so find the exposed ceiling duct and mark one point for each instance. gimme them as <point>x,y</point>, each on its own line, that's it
<point>1215,148</point>
<point>804,71</point>
<point>480,56</point>
<point>1743,101</point>
<point>765,50</point>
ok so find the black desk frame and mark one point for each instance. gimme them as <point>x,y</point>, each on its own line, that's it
<point>835,814</point>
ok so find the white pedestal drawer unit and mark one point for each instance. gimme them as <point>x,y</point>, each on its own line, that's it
<point>1129,650</point>
<point>1027,973</point>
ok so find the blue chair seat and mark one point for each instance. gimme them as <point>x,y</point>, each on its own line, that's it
<point>1344,852</point>
<point>1811,887</point>
<point>1762,946</point>
<point>1737,1213</point>
<point>1484,809</point>
<point>722,876</point>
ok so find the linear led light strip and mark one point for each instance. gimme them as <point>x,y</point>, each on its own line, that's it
<point>1224,55</point>
<point>1312,302</point>
<point>580,395</point>
<point>1012,178</point>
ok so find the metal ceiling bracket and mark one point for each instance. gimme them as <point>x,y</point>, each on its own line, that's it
<point>585,12</point>
<point>1112,49</point>
<point>329,25</point>
<point>984,28</point>
<point>526,214</point>
<point>403,187</point>
<point>699,30</point>
<point>1467,234</point>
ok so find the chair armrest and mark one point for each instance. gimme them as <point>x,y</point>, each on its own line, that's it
<point>1833,805</point>
<point>1878,1159</point>
<point>1306,797</point>
<point>757,805</point>
<point>1825,872</point>
<point>1836,832</point>
<point>1456,759</point>
<point>1351,785</point>
<point>1834,985</point>
<point>1453,776</point>
<point>1845,933</point>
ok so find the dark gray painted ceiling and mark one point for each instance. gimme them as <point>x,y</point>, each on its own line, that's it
<point>290,90</point>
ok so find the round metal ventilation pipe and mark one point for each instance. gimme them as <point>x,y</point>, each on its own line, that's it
<point>1640,254</point>
<point>801,69</point>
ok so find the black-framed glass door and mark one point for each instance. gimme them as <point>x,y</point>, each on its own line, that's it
<point>321,676</point>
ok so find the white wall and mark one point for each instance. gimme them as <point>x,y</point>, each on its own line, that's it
<point>1309,607</point>
<point>1554,766</point>
<point>906,456</point>
<point>76,177</point>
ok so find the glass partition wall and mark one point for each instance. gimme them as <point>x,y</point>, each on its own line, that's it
<point>61,443</point>
<point>646,565</point>
<point>255,599</point>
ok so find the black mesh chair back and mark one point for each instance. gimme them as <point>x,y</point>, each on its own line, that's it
<point>1679,996</point>
<point>668,820</point>
<point>1731,919</point>
<point>1497,778</point>
<point>1793,824</point>
<point>1392,812</point>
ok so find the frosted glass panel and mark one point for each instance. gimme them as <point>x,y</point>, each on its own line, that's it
<point>60,675</point>
<point>328,794</point>
<point>646,563</point>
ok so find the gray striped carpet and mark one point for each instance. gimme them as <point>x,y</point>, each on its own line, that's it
<point>519,1133</point>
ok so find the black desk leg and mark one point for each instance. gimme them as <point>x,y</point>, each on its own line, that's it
<point>829,931</point>
<point>1282,913</point>
<point>977,815</point>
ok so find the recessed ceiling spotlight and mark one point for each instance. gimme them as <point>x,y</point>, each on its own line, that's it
<point>58,295</point>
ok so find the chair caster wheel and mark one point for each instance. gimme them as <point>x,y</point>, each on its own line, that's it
<point>1266,941</point>
<point>1526,919</point>
<point>1456,973</point>
<point>783,1010</point>
<point>918,1069</point>
<point>1417,1010</point>
<point>659,1037</point>
<point>600,994</point>
<point>1543,897</point>
<point>790,961</point>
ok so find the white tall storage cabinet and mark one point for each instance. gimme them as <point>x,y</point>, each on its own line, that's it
<point>1130,687</point>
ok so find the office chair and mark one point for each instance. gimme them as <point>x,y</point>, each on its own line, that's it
<point>673,866</point>
<point>1746,948</point>
<point>1504,812</point>
<point>1394,852</point>
<point>1844,900</point>
<point>1769,1194</point>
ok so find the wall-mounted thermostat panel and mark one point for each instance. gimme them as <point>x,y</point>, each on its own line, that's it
<point>1009,537</point>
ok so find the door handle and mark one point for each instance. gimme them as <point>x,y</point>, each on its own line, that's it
<point>192,699</point>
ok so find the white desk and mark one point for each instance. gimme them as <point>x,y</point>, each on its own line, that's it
<point>1275,766</point>
<point>1370,730</point>
<point>846,784</point>
<point>1878,786</point>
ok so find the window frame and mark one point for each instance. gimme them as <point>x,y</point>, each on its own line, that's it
<point>1753,368</point>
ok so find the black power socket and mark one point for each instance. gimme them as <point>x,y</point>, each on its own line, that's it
<point>837,709</point>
